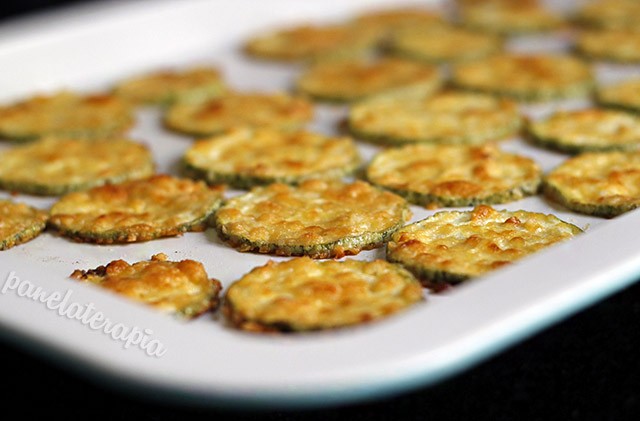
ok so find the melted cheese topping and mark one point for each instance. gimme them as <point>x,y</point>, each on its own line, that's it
<point>19,223</point>
<point>620,14</point>
<point>508,16</point>
<point>475,242</point>
<point>65,114</point>
<point>239,110</point>
<point>444,43</point>
<point>59,164</point>
<point>452,171</point>
<point>173,287</point>
<point>172,85</point>
<point>274,154</point>
<point>525,76</point>
<point>599,179</point>
<point>314,213</point>
<point>302,294</point>
<point>352,80</point>
<point>616,45</point>
<point>448,117</point>
<point>137,210</point>
<point>623,94</point>
<point>589,127</point>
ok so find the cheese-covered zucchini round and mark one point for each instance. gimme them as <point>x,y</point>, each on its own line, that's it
<point>526,77</point>
<point>386,21</point>
<point>65,114</point>
<point>140,210</point>
<point>611,45</point>
<point>255,110</point>
<point>346,81</point>
<point>508,16</point>
<point>318,218</point>
<point>598,183</point>
<point>244,158</point>
<point>182,288</point>
<point>302,294</point>
<point>454,175</point>
<point>624,95</point>
<point>452,246</point>
<point>587,130</point>
<point>55,166</point>
<point>611,14</point>
<point>446,117</point>
<point>19,223</point>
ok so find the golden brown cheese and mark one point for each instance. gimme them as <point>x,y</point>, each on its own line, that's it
<point>19,223</point>
<point>54,166</point>
<point>612,45</point>
<point>625,94</point>
<point>245,157</point>
<point>603,184</point>
<point>139,210</point>
<point>356,79</point>
<point>239,110</point>
<point>452,246</point>
<point>613,14</point>
<point>303,294</point>
<point>319,218</point>
<point>65,114</point>
<point>508,16</point>
<point>173,287</point>
<point>454,175</point>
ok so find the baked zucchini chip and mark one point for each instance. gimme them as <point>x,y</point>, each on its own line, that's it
<point>611,45</point>
<point>319,218</point>
<point>454,175</point>
<point>182,288</point>
<point>244,158</point>
<point>610,14</point>
<point>508,17</point>
<point>532,77</point>
<point>140,210</point>
<point>312,42</point>
<point>352,80</point>
<point>624,95</point>
<point>447,117</point>
<point>255,110</point>
<point>450,246</point>
<point>302,294</point>
<point>604,184</point>
<point>386,21</point>
<point>65,114</point>
<point>587,130</point>
<point>443,44</point>
<point>55,166</point>
<point>19,223</point>
<point>165,87</point>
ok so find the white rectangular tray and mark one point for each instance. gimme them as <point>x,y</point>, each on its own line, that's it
<point>89,48</point>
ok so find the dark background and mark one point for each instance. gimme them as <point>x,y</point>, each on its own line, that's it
<point>585,368</point>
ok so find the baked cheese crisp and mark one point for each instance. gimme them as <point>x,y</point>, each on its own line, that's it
<point>255,110</point>
<point>508,16</point>
<point>611,45</point>
<point>590,129</point>
<point>168,86</point>
<point>624,95</point>
<point>55,166</point>
<point>318,218</point>
<point>181,288</point>
<point>532,77</point>
<point>346,81</point>
<point>454,175</point>
<point>244,158</point>
<point>140,210</point>
<point>302,294</point>
<point>611,14</point>
<point>443,44</point>
<point>446,117</point>
<point>19,223</point>
<point>386,21</point>
<point>603,184</point>
<point>65,114</point>
<point>312,42</point>
<point>452,246</point>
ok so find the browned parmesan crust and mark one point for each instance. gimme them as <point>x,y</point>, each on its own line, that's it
<point>19,223</point>
<point>181,288</point>
<point>320,219</point>
<point>140,210</point>
<point>305,295</point>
